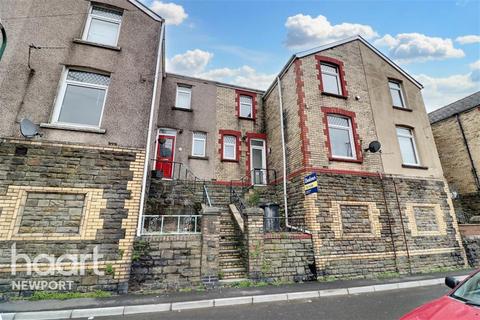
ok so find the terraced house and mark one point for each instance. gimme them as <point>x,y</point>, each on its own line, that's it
<point>180,181</point>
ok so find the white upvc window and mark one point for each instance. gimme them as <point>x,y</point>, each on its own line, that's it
<point>184,97</point>
<point>199,143</point>
<point>229,147</point>
<point>408,147</point>
<point>331,79</point>
<point>246,106</point>
<point>81,98</point>
<point>341,137</point>
<point>102,26</point>
<point>397,94</point>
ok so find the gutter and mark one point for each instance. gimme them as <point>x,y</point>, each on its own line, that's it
<point>149,133</point>
<point>465,142</point>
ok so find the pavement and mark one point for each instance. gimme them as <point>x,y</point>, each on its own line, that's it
<point>137,304</point>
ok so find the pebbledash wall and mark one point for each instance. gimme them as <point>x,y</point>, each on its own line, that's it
<point>89,198</point>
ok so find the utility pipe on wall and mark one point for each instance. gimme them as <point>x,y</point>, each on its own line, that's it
<point>149,133</point>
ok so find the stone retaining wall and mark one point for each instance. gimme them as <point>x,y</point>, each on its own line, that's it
<point>58,199</point>
<point>168,262</point>
<point>472,248</point>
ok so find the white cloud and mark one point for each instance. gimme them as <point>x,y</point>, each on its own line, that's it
<point>190,62</point>
<point>439,92</point>
<point>468,39</point>
<point>195,62</point>
<point>408,47</point>
<point>303,31</point>
<point>171,12</point>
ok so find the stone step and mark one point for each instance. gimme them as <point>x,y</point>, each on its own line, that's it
<point>230,251</point>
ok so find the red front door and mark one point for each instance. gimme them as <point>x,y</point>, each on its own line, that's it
<point>166,149</point>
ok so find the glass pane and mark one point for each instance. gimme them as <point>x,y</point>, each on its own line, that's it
<point>198,147</point>
<point>408,151</point>
<point>258,143</point>
<point>396,97</point>
<point>257,159</point>
<point>229,152</point>
<point>330,83</point>
<point>230,139</point>
<point>394,85</point>
<point>329,69</point>
<point>88,77</point>
<point>338,121</point>
<point>245,110</point>
<point>340,142</point>
<point>199,135</point>
<point>103,32</point>
<point>82,105</point>
<point>183,98</point>
<point>107,13</point>
<point>404,132</point>
<point>166,148</point>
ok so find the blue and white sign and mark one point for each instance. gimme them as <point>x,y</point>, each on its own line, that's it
<point>310,184</point>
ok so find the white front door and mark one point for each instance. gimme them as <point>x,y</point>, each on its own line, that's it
<point>258,162</point>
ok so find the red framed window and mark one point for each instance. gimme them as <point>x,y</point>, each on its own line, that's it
<point>229,145</point>
<point>246,104</point>
<point>342,139</point>
<point>331,75</point>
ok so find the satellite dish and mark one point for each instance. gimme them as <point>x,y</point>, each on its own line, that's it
<point>374,146</point>
<point>28,128</point>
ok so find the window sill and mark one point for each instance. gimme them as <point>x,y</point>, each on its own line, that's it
<point>182,109</point>
<point>245,118</point>
<point>99,45</point>
<point>229,160</point>
<point>334,95</point>
<point>198,158</point>
<point>71,128</point>
<point>345,160</point>
<point>412,166</point>
<point>403,109</point>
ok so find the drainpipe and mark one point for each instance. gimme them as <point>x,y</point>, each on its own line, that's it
<point>284,152</point>
<point>465,141</point>
<point>149,133</point>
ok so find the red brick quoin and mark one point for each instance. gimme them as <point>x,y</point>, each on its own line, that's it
<point>341,71</point>
<point>358,149</point>
<point>237,134</point>
<point>305,142</point>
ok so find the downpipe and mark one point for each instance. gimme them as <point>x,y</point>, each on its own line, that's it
<point>149,133</point>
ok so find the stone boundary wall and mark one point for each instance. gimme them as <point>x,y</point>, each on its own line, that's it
<point>101,187</point>
<point>168,262</point>
<point>288,256</point>
<point>472,248</point>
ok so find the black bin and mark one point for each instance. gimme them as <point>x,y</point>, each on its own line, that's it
<point>271,221</point>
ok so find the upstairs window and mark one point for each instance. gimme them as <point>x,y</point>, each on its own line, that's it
<point>246,107</point>
<point>184,97</point>
<point>81,98</point>
<point>199,144</point>
<point>408,147</point>
<point>103,26</point>
<point>229,147</point>
<point>331,79</point>
<point>341,137</point>
<point>397,94</point>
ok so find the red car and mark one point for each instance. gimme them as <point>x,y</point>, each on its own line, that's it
<point>463,302</point>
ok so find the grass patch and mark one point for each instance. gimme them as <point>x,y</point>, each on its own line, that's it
<point>248,284</point>
<point>387,275</point>
<point>46,295</point>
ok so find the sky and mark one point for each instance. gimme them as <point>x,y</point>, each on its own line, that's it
<point>248,42</point>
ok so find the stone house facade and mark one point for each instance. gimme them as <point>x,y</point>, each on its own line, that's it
<point>456,133</point>
<point>75,188</point>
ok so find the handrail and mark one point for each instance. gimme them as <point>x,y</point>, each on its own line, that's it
<point>179,224</point>
<point>181,172</point>
<point>236,200</point>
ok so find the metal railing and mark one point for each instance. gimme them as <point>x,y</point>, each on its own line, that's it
<point>278,224</point>
<point>237,200</point>
<point>171,224</point>
<point>180,172</point>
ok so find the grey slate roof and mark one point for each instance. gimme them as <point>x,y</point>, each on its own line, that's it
<point>453,108</point>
